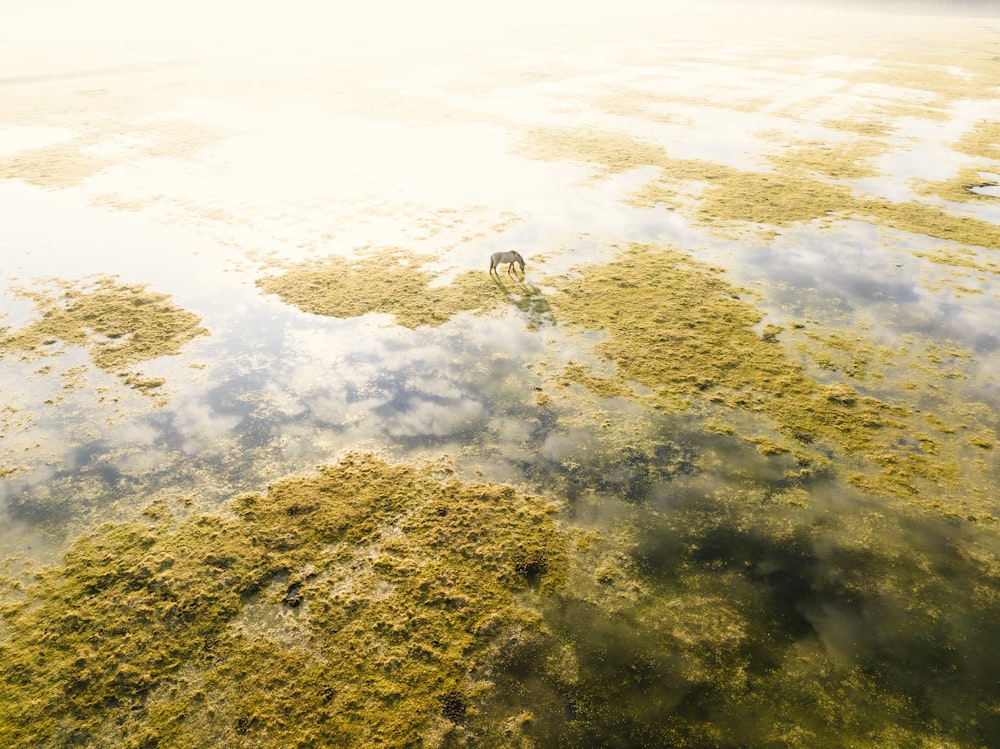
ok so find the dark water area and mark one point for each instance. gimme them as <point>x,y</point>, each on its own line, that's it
<point>787,598</point>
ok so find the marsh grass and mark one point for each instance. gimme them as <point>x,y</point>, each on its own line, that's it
<point>390,282</point>
<point>406,583</point>
<point>679,328</point>
<point>802,189</point>
<point>738,533</point>
<point>374,604</point>
<point>119,325</point>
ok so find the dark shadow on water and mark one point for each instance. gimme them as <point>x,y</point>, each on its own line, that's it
<point>736,616</point>
<point>529,299</point>
<point>844,630</point>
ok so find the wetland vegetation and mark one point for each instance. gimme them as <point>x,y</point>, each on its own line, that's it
<point>720,471</point>
<point>119,325</point>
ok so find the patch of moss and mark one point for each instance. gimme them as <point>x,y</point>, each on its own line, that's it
<point>846,352</point>
<point>870,127</point>
<point>835,161</point>
<point>984,439</point>
<point>982,141</point>
<point>62,165</point>
<point>785,199</point>
<point>641,103</point>
<point>65,165</point>
<point>930,82</point>
<point>959,188</point>
<point>778,199</point>
<point>603,387</point>
<point>120,325</point>
<point>680,329</point>
<point>930,221</point>
<point>961,257</point>
<point>792,195</point>
<point>391,282</point>
<point>610,152</point>
<point>402,586</point>
<point>767,446</point>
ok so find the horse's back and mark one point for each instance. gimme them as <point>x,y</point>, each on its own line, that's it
<point>510,256</point>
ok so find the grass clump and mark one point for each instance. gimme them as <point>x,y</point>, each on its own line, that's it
<point>802,187</point>
<point>120,325</point>
<point>960,188</point>
<point>680,329</point>
<point>347,608</point>
<point>392,282</point>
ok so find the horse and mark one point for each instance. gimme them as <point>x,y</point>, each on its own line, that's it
<point>511,257</point>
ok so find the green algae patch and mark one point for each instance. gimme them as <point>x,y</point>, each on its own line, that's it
<point>120,326</point>
<point>70,164</point>
<point>982,141</point>
<point>677,327</point>
<point>392,283</point>
<point>802,188</point>
<point>347,608</point>
<point>835,161</point>
<point>960,188</point>
<point>959,257</point>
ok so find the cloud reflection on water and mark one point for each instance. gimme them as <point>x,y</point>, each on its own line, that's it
<point>431,383</point>
<point>863,273</point>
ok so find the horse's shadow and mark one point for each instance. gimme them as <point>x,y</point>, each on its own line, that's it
<point>529,299</point>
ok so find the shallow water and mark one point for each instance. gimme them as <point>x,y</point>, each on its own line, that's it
<point>730,582</point>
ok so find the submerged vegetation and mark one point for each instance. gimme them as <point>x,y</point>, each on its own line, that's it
<point>120,326</point>
<point>391,282</point>
<point>358,606</point>
<point>374,604</point>
<point>791,194</point>
<point>679,328</point>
